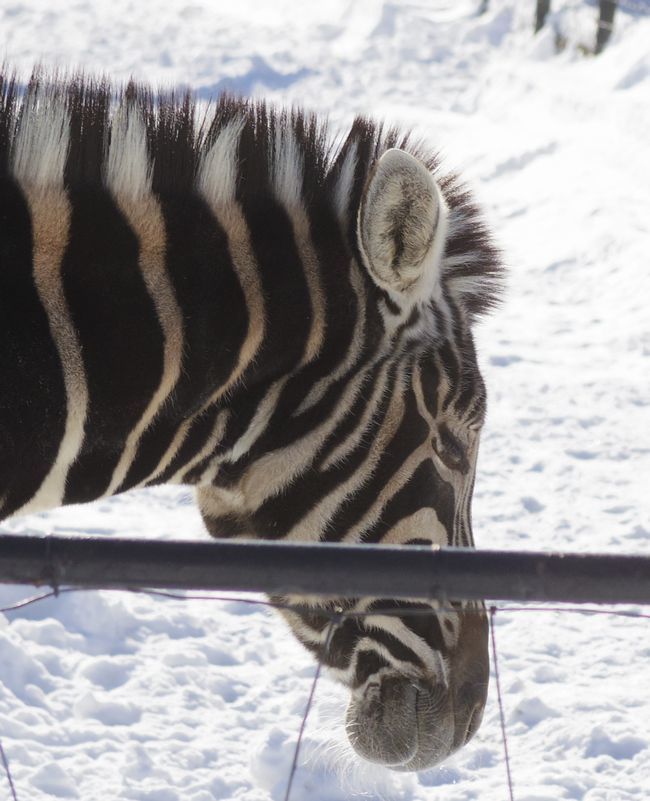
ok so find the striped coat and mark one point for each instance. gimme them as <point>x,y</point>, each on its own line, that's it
<point>230,299</point>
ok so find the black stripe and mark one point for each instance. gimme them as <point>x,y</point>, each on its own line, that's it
<point>411,432</point>
<point>340,328</point>
<point>472,388</point>
<point>368,663</point>
<point>280,513</point>
<point>214,315</point>
<point>424,489</point>
<point>121,338</point>
<point>288,305</point>
<point>32,399</point>
<point>430,380</point>
<point>225,526</point>
<point>199,431</point>
<point>425,626</point>
<point>88,103</point>
<point>394,645</point>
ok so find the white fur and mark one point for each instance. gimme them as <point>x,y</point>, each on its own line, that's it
<point>167,457</point>
<point>38,158</point>
<point>344,183</point>
<point>369,644</point>
<point>41,145</point>
<point>217,176</point>
<point>287,169</point>
<point>353,440</point>
<point>217,182</point>
<point>274,471</point>
<point>128,166</point>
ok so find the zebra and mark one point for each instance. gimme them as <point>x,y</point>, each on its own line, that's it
<point>235,298</point>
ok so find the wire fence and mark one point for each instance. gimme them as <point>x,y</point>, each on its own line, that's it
<point>336,618</point>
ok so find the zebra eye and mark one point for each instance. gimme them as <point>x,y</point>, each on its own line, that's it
<point>449,449</point>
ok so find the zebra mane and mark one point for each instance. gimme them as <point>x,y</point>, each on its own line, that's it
<point>84,131</point>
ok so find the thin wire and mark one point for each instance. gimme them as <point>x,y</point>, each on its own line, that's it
<point>502,717</point>
<point>574,610</point>
<point>5,762</point>
<point>36,598</point>
<point>332,614</point>
<point>296,753</point>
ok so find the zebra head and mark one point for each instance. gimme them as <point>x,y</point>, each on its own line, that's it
<point>418,673</point>
<point>384,451</point>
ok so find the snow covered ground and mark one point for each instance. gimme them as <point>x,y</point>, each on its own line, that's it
<point>117,696</point>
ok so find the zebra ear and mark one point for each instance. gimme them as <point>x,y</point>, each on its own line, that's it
<point>402,224</point>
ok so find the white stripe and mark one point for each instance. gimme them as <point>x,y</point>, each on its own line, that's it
<point>40,150</point>
<point>217,183</point>
<point>128,176</point>
<point>210,444</point>
<point>38,160</point>
<point>259,421</point>
<point>50,212</point>
<point>287,169</point>
<point>344,183</point>
<point>217,174</point>
<point>129,170</point>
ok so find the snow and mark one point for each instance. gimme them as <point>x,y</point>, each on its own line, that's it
<point>122,696</point>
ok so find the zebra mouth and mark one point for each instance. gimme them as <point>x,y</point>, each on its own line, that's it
<point>409,724</point>
<point>382,724</point>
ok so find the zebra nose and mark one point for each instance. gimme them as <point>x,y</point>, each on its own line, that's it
<point>382,725</point>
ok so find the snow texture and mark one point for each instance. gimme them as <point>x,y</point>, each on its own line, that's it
<point>118,696</point>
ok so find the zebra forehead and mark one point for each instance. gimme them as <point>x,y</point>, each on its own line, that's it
<point>133,140</point>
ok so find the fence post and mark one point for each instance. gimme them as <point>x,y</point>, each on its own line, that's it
<point>543,7</point>
<point>605,23</point>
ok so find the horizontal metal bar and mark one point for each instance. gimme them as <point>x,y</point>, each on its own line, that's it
<point>325,569</point>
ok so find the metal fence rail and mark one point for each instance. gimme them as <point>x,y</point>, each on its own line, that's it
<point>325,569</point>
